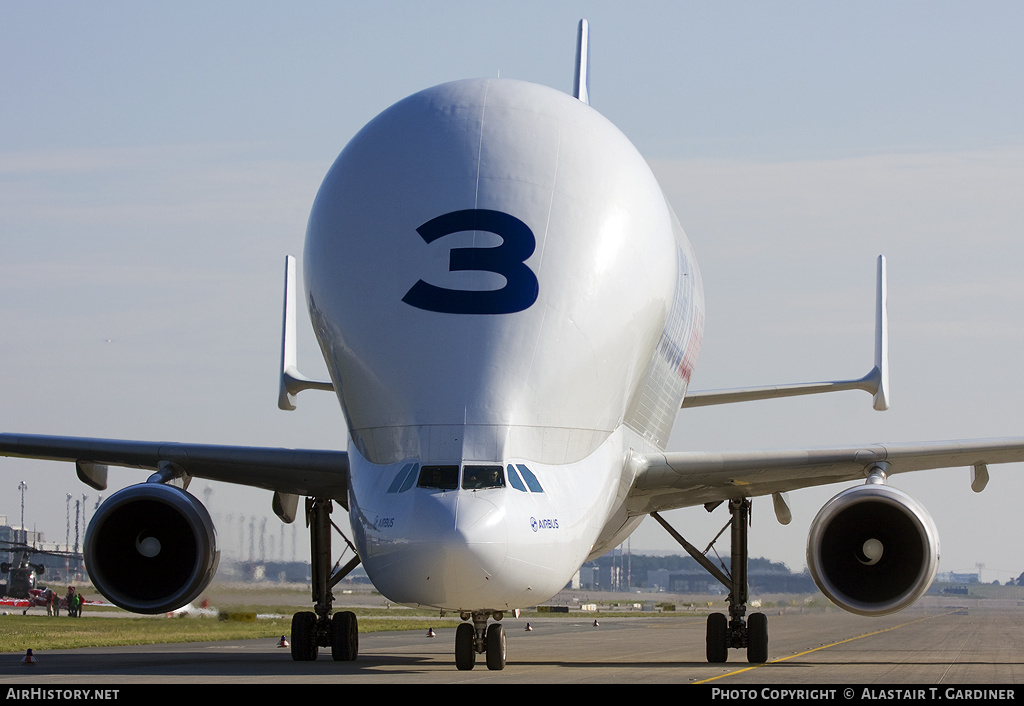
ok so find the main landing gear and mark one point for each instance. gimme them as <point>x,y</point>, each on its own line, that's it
<point>735,631</point>
<point>478,638</point>
<point>311,631</point>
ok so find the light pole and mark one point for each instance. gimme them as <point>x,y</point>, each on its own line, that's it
<point>23,486</point>
<point>84,523</point>
<point>67,530</point>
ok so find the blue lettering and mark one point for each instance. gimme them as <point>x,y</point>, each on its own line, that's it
<point>508,260</point>
<point>546,523</point>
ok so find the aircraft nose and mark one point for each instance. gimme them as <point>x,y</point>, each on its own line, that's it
<point>459,548</point>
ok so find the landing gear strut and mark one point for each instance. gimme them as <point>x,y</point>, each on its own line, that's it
<point>479,638</point>
<point>311,631</point>
<point>735,631</point>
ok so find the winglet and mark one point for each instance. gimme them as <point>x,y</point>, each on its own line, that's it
<point>292,381</point>
<point>581,77</point>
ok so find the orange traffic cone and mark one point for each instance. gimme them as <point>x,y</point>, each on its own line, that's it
<point>430,632</point>
<point>29,658</point>
<point>283,642</point>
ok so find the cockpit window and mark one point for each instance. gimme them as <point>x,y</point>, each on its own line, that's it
<point>531,480</point>
<point>480,477</point>
<point>439,477</point>
<point>515,480</point>
<point>403,481</point>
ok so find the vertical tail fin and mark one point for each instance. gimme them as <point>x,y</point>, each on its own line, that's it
<point>581,77</point>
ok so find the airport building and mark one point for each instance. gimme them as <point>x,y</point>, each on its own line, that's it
<point>700,581</point>
<point>681,574</point>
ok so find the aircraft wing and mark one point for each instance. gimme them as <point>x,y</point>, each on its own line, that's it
<point>684,479</point>
<point>294,472</point>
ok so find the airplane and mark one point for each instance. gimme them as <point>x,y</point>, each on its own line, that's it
<point>510,314</point>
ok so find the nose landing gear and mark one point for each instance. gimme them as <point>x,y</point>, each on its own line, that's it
<point>479,638</point>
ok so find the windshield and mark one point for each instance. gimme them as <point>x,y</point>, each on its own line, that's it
<point>480,477</point>
<point>440,477</point>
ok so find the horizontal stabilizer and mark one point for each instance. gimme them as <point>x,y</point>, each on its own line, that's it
<point>876,381</point>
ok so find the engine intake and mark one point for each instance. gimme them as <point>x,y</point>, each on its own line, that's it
<point>873,550</point>
<point>151,548</point>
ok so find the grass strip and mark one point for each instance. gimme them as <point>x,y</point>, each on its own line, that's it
<point>19,633</point>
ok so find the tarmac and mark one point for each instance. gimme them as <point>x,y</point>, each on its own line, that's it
<point>936,645</point>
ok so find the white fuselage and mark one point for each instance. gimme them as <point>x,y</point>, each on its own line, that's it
<point>497,284</point>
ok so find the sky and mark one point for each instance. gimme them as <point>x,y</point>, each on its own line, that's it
<point>159,160</point>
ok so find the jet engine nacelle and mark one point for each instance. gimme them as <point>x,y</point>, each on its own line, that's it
<point>151,548</point>
<point>873,550</point>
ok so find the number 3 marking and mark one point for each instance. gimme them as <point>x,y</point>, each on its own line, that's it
<point>508,260</point>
